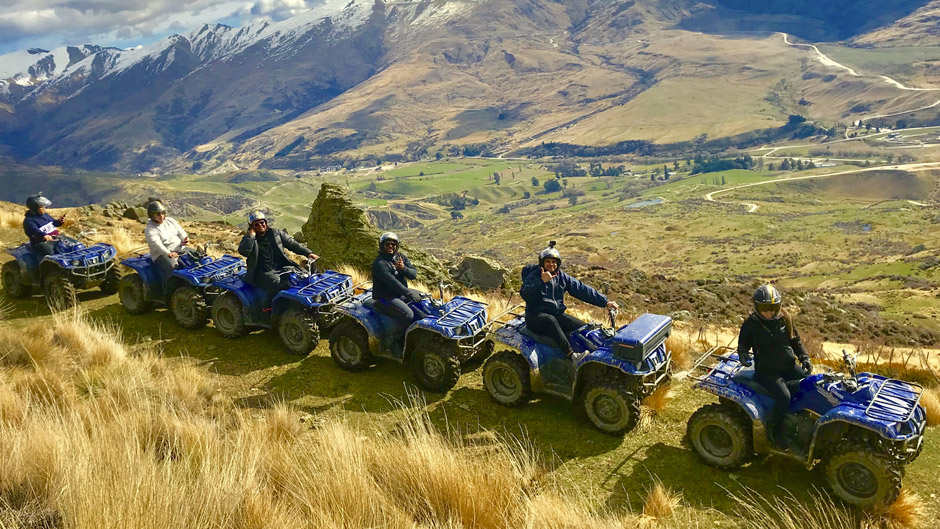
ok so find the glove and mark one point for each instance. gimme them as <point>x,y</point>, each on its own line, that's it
<point>746,362</point>
<point>412,297</point>
<point>807,365</point>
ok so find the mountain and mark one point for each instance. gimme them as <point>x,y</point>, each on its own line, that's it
<point>366,79</point>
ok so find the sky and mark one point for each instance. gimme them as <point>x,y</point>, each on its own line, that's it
<point>49,24</point>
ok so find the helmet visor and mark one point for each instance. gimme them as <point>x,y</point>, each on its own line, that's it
<point>767,307</point>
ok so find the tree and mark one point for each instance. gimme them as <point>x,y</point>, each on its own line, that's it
<point>526,194</point>
<point>785,165</point>
<point>535,182</point>
<point>456,215</point>
<point>496,178</point>
<point>438,155</point>
<point>675,166</point>
<point>573,200</point>
<point>564,183</point>
<point>372,186</point>
<point>551,186</point>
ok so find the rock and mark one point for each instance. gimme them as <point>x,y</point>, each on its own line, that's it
<point>481,272</point>
<point>389,220</point>
<point>113,205</point>
<point>701,292</point>
<point>136,213</point>
<point>109,213</point>
<point>340,233</point>
<point>680,315</point>
<point>96,208</point>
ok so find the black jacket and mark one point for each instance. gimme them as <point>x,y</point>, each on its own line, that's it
<point>776,344</point>
<point>249,248</point>
<point>549,298</point>
<point>387,281</point>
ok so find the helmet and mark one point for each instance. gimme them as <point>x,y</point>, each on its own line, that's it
<point>550,252</point>
<point>155,207</point>
<point>387,236</point>
<point>256,215</point>
<point>34,202</point>
<point>766,297</point>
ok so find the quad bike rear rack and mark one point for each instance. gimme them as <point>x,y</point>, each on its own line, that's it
<point>699,372</point>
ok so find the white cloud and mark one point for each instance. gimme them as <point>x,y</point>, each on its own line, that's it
<point>54,22</point>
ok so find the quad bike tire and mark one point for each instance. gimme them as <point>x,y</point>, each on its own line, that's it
<point>13,283</point>
<point>349,346</point>
<point>721,436</point>
<point>112,281</point>
<point>506,378</point>
<point>611,407</point>
<point>228,315</point>
<point>298,331</point>
<point>189,308</point>
<point>133,295</point>
<point>60,293</point>
<point>863,475</point>
<point>434,365</point>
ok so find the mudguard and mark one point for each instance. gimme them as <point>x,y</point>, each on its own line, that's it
<point>28,260</point>
<point>460,318</point>
<point>321,289</point>
<point>251,297</point>
<point>149,275</point>
<point>536,354</point>
<point>205,274</point>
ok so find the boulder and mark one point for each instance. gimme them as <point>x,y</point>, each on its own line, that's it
<point>481,272</point>
<point>340,232</point>
<point>136,213</point>
<point>389,220</point>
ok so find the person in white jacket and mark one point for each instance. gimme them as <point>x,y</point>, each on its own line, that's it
<point>166,239</point>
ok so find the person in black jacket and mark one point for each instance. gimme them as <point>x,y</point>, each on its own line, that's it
<point>543,288</point>
<point>39,226</point>
<point>391,271</point>
<point>778,353</point>
<point>263,246</point>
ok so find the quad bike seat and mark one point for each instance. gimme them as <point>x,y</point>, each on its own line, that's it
<point>544,340</point>
<point>745,377</point>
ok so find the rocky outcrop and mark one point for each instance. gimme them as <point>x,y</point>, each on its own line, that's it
<point>389,220</point>
<point>340,232</point>
<point>481,272</point>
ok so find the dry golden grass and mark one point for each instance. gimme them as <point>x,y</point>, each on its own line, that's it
<point>905,513</point>
<point>359,276</point>
<point>11,219</point>
<point>681,349</point>
<point>785,512</point>
<point>658,399</point>
<point>930,400</point>
<point>660,502</point>
<point>122,240</point>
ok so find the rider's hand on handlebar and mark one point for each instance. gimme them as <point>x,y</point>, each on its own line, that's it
<point>49,238</point>
<point>313,257</point>
<point>174,255</point>
<point>612,305</point>
<point>807,366</point>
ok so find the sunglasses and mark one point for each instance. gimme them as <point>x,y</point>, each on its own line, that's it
<point>259,223</point>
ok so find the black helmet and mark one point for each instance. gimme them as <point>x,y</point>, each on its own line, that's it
<point>387,236</point>
<point>766,297</point>
<point>550,252</point>
<point>34,202</point>
<point>155,207</point>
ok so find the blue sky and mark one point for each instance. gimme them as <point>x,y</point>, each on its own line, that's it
<point>124,23</point>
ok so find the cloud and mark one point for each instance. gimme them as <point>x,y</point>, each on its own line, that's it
<point>107,21</point>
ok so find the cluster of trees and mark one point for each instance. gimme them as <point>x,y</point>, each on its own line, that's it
<point>713,163</point>
<point>598,170</point>
<point>641,147</point>
<point>567,169</point>
<point>789,164</point>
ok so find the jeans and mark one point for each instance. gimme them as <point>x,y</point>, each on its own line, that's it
<point>775,382</point>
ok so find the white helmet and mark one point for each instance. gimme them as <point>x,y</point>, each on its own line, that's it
<point>550,252</point>
<point>387,236</point>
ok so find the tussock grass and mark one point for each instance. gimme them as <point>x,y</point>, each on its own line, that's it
<point>358,275</point>
<point>122,240</point>
<point>930,400</point>
<point>905,513</point>
<point>660,502</point>
<point>11,219</point>
<point>96,435</point>
<point>785,512</point>
<point>681,349</point>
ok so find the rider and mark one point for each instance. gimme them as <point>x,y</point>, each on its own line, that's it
<point>39,226</point>
<point>263,246</point>
<point>391,271</point>
<point>166,238</point>
<point>543,289</point>
<point>770,333</point>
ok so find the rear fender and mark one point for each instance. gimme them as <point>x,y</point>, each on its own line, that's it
<point>537,355</point>
<point>149,275</point>
<point>251,297</point>
<point>370,321</point>
<point>748,402</point>
<point>28,261</point>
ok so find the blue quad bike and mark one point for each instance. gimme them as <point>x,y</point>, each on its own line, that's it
<point>300,313</point>
<point>435,347</point>
<point>609,374</point>
<point>188,292</point>
<point>863,428</point>
<point>72,267</point>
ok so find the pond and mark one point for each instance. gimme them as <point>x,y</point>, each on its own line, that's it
<point>642,203</point>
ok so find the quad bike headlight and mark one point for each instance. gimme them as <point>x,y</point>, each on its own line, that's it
<point>76,262</point>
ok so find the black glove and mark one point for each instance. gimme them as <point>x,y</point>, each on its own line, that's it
<point>807,365</point>
<point>746,362</point>
<point>412,297</point>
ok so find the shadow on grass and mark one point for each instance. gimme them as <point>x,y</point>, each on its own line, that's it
<point>680,469</point>
<point>35,306</point>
